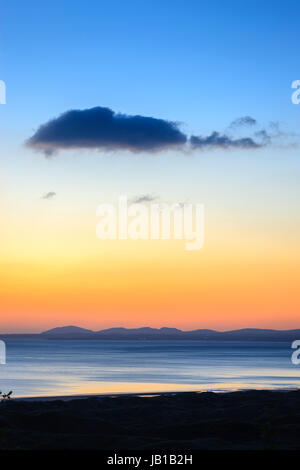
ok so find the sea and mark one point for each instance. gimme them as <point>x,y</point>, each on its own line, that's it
<point>46,367</point>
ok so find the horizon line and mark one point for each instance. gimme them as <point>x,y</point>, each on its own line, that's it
<point>146,327</point>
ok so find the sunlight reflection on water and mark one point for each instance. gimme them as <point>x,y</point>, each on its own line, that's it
<point>57,367</point>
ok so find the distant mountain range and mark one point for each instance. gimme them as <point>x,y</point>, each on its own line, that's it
<point>147,333</point>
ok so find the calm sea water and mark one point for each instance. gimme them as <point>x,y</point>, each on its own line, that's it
<point>57,367</point>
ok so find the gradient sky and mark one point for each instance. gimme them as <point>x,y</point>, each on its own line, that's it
<point>202,64</point>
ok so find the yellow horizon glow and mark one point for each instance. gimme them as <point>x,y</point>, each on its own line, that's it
<point>51,278</point>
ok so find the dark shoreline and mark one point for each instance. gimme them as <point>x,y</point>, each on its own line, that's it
<point>48,398</point>
<point>248,420</point>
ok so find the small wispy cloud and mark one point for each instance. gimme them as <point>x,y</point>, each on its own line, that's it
<point>216,140</point>
<point>143,198</point>
<point>243,122</point>
<point>49,195</point>
<point>161,203</point>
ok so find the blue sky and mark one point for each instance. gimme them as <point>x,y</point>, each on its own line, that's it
<point>202,63</point>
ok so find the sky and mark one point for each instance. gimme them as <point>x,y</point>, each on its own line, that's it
<point>210,83</point>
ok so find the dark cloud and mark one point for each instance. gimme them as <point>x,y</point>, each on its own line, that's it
<point>103,129</point>
<point>264,136</point>
<point>144,198</point>
<point>273,134</point>
<point>216,140</point>
<point>49,195</point>
<point>243,121</point>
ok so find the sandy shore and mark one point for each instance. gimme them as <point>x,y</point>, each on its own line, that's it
<point>96,395</point>
<point>134,394</point>
<point>175,421</point>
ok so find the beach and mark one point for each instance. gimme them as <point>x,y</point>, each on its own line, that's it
<point>149,395</point>
<point>241,420</point>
